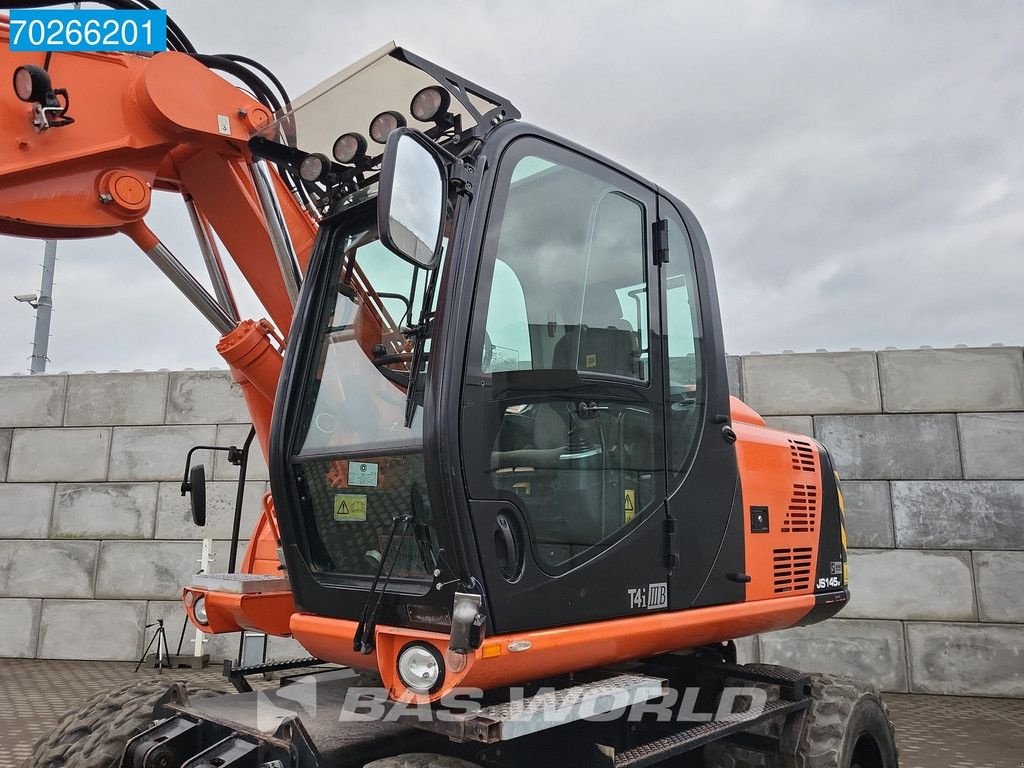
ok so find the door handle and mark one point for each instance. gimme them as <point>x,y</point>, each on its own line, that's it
<point>506,548</point>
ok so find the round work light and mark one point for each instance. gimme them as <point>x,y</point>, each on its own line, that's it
<point>430,103</point>
<point>32,83</point>
<point>383,124</point>
<point>199,611</point>
<point>315,167</point>
<point>420,667</point>
<point>348,147</point>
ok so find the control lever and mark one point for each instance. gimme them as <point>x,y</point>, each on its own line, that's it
<point>589,410</point>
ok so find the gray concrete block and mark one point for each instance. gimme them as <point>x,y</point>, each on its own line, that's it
<point>966,659</point>
<point>235,434</point>
<point>927,380</point>
<point>174,515</point>
<point>748,650</point>
<point>146,570</point>
<point>204,397</point>
<point>992,445</point>
<point>40,455</point>
<point>219,647</point>
<point>910,584</point>
<point>5,452</point>
<point>891,447</point>
<point>104,511</point>
<point>868,513</point>
<point>47,568</point>
<point>157,453</point>
<point>802,425</point>
<point>104,630</point>
<point>866,650</point>
<point>25,510</point>
<point>734,369</point>
<point>20,621</point>
<point>999,581</point>
<point>284,648</point>
<point>823,382</point>
<point>32,401</point>
<point>110,399</point>
<point>969,514</point>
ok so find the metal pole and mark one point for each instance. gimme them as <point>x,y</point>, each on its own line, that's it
<point>278,230</point>
<point>44,309</point>
<point>192,288</point>
<point>214,264</point>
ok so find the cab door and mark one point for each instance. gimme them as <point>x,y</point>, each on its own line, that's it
<point>562,412</point>
<point>705,503</point>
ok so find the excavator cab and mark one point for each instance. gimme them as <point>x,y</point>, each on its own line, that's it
<point>504,417</point>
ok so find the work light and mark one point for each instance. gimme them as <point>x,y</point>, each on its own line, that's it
<point>199,611</point>
<point>348,147</point>
<point>32,83</point>
<point>314,167</point>
<point>421,667</point>
<point>430,103</point>
<point>383,124</point>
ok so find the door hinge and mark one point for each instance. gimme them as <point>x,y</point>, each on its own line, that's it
<point>671,545</point>
<point>661,241</point>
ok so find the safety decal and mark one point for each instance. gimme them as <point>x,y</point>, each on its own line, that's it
<point>350,507</point>
<point>362,473</point>
<point>629,505</point>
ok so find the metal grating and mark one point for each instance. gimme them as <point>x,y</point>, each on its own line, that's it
<point>791,569</point>
<point>802,454</point>
<point>802,513</point>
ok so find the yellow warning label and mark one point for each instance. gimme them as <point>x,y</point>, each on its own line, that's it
<point>846,573</point>
<point>591,361</point>
<point>350,507</point>
<point>629,505</point>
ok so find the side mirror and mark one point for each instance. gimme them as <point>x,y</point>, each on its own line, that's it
<point>412,196</point>
<point>197,490</point>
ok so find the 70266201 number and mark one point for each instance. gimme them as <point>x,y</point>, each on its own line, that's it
<point>78,30</point>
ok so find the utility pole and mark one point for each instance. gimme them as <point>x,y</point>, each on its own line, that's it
<point>43,305</point>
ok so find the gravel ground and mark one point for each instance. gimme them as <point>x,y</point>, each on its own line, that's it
<point>933,731</point>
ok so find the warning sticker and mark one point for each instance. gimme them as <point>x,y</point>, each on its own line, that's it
<point>362,473</point>
<point>629,505</point>
<point>350,507</point>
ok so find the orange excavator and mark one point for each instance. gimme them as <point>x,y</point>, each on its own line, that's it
<point>516,517</point>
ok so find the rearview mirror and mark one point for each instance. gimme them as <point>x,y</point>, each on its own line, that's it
<point>411,201</point>
<point>197,494</point>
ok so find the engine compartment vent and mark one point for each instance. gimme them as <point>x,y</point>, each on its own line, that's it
<point>802,513</point>
<point>802,454</point>
<point>791,569</point>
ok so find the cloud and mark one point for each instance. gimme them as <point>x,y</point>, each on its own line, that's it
<point>858,168</point>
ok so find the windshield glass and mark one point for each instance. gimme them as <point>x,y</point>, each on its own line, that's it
<point>361,463</point>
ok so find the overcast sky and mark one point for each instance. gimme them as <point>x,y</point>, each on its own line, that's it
<point>858,167</point>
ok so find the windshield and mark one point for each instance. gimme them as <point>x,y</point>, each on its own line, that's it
<point>360,461</point>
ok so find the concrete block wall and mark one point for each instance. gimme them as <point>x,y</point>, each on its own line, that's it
<point>95,539</point>
<point>930,446</point>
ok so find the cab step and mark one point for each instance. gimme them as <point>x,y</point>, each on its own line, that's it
<point>656,751</point>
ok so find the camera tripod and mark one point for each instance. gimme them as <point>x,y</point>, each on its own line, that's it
<point>160,638</point>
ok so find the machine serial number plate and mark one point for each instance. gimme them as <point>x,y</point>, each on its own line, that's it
<point>91,30</point>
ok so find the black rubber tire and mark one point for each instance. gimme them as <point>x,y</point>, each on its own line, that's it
<point>848,726</point>
<point>94,734</point>
<point>421,760</point>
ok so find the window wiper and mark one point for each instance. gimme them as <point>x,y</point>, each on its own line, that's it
<point>363,640</point>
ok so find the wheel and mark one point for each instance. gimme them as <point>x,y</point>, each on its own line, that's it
<point>421,760</point>
<point>847,726</point>
<point>94,735</point>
